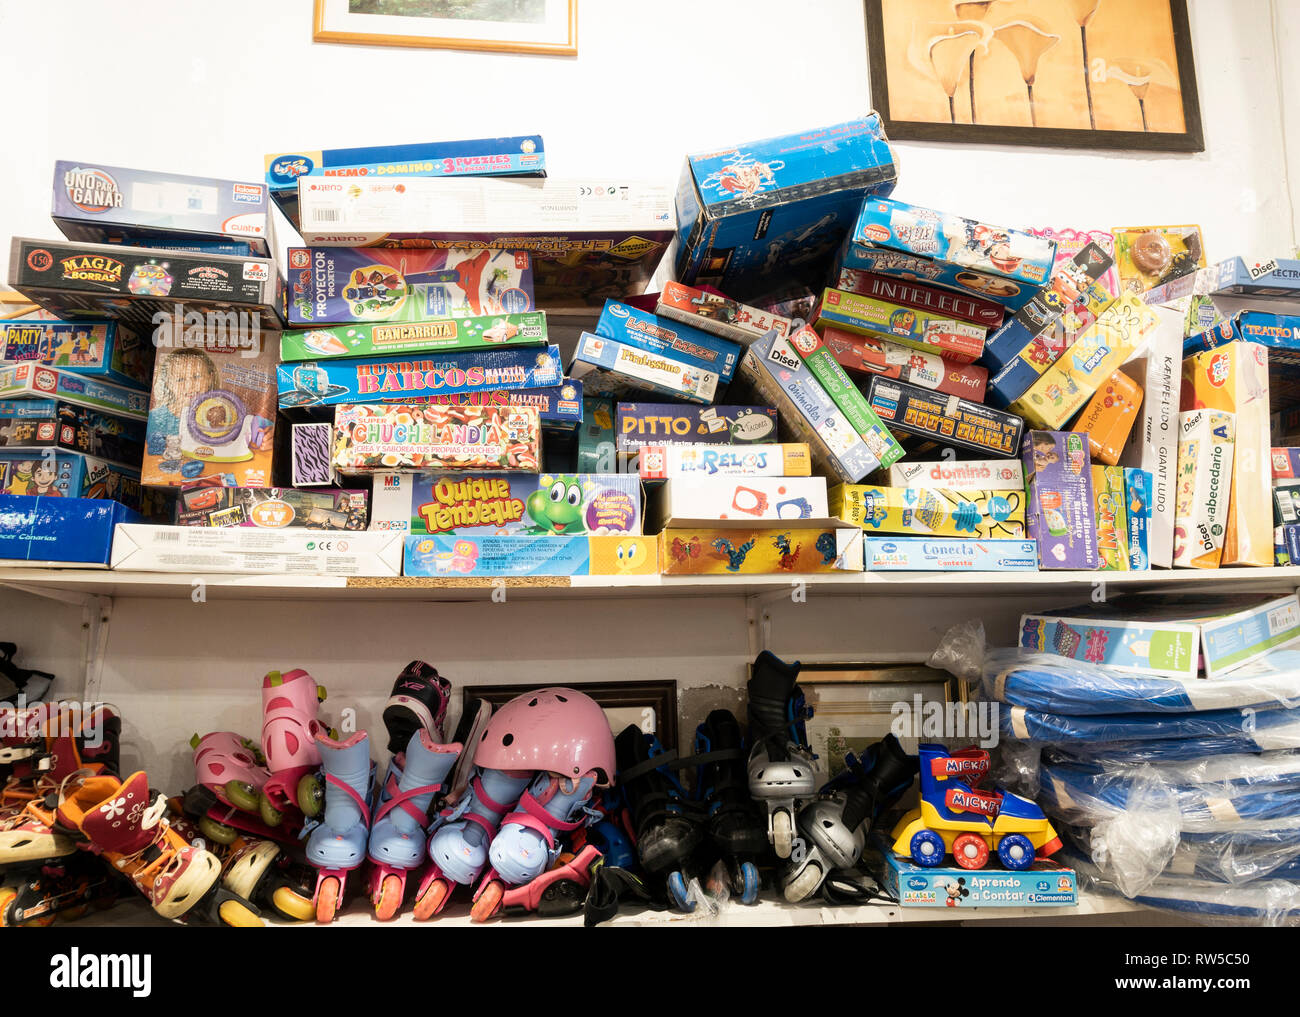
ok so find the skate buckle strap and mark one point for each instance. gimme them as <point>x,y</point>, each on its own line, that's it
<point>495,806</point>
<point>971,762</point>
<point>403,800</point>
<point>646,765</point>
<point>361,802</point>
<point>535,817</point>
<point>985,803</point>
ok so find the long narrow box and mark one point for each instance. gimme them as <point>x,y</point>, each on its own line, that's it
<point>775,375</point>
<point>1234,380</point>
<point>757,499</point>
<point>948,554</point>
<point>559,406</point>
<point>522,155</point>
<point>1280,332</point>
<point>607,367</point>
<point>150,288</point>
<point>1137,498</point>
<point>95,347</point>
<point>962,306</point>
<point>55,531</point>
<point>334,382</point>
<point>1112,517</point>
<point>341,285</point>
<point>1109,417</point>
<point>1205,457</point>
<point>663,462</point>
<point>1153,445</point>
<point>931,512</point>
<point>102,204</point>
<point>896,239</point>
<point>921,330</point>
<point>1276,277</point>
<point>37,424</point>
<point>1178,638</point>
<point>1060,509</point>
<point>713,547</point>
<point>35,381</point>
<point>986,474</point>
<point>744,212</point>
<point>636,425</point>
<point>361,339</point>
<point>666,337</point>
<point>518,504</point>
<point>272,508</point>
<point>516,555</point>
<point>588,238</point>
<point>835,382</point>
<point>59,474</point>
<point>253,551</point>
<point>1064,388</point>
<point>948,419</point>
<point>1075,287</point>
<point>712,312</point>
<point>861,354</point>
<point>1043,885</point>
<point>381,437</point>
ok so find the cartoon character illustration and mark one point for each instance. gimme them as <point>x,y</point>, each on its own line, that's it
<point>735,556</point>
<point>630,555</point>
<point>684,550</point>
<point>43,476</point>
<point>1045,453</point>
<point>744,177</point>
<point>956,890</point>
<point>789,556</point>
<point>827,547</point>
<point>558,510</point>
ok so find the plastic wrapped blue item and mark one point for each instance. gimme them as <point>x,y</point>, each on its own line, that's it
<point>1075,688</point>
<point>1215,731</point>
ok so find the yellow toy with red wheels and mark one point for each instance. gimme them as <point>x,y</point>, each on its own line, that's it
<point>967,822</point>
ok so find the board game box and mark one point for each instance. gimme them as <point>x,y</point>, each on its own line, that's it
<point>379,339</point>
<point>381,437</point>
<point>49,423</point>
<point>94,347</point>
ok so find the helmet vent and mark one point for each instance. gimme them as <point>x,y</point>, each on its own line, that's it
<point>533,701</point>
<point>561,699</point>
<point>827,823</point>
<point>507,738</point>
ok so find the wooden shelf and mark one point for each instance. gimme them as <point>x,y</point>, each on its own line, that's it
<point>100,582</point>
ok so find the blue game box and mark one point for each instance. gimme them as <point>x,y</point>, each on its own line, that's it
<point>482,157</point>
<point>59,531</point>
<point>626,324</point>
<point>92,346</point>
<point>750,217</point>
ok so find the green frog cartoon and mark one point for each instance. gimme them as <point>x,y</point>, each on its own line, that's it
<point>557,509</point>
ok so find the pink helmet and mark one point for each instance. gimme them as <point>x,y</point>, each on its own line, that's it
<point>555,729</point>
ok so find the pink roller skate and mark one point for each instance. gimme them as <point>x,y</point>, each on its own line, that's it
<point>564,737</point>
<point>227,797</point>
<point>290,728</point>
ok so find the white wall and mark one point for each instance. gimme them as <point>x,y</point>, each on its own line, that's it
<point>208,88</point>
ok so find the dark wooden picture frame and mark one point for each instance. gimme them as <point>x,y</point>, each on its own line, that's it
<point>1190,140</point>
<point>660,696</point>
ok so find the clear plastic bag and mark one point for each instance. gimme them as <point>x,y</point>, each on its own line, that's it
<point>961,651</point>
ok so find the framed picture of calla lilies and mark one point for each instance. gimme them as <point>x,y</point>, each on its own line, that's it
<point>1063,73</point>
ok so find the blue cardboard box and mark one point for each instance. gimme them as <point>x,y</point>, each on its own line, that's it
<point>1279,277</point>
<point>48,423</point>
<point>520,555</point>
<point>333,382</point>
<point>59,474</point>
<point>112,204</point>
<point>948,554</point>
<point>1043,885</point>
<point>1279,332</point>
<point>94,346</point>
<point>35,381</point>
<point>751,216</point>
<point>608,367</point>
<point>73,531</point>
<point>481,157</point>
<point>894,238</point>
<point>656,334</point>
<point>1137,496</point>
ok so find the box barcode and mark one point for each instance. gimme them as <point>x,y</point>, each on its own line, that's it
<point>325,214</point>
<point>167,536</point>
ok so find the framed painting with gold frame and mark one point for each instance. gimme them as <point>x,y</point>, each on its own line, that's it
<point>1062,73</point>
<point>547,27</point>
<point>854,704</point>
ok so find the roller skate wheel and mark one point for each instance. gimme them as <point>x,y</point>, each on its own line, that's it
<point>970,851</point>
<point>748,888</point>
<point>243,795</point>
<point>7,896</point>
<point>927,849</point>
<point>238,915</point>
<point>290,904</point>
<point>271,816</point>
<point>431,901</point>
<point>327,900</point>
<point>388,900</point>
<point>805,884</point>
<point>488,902</point>
<point>218,833</point>
<point>679,894</point>
<point>1016,851</point>
<point>782,834</point>
<point>311,795</point>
